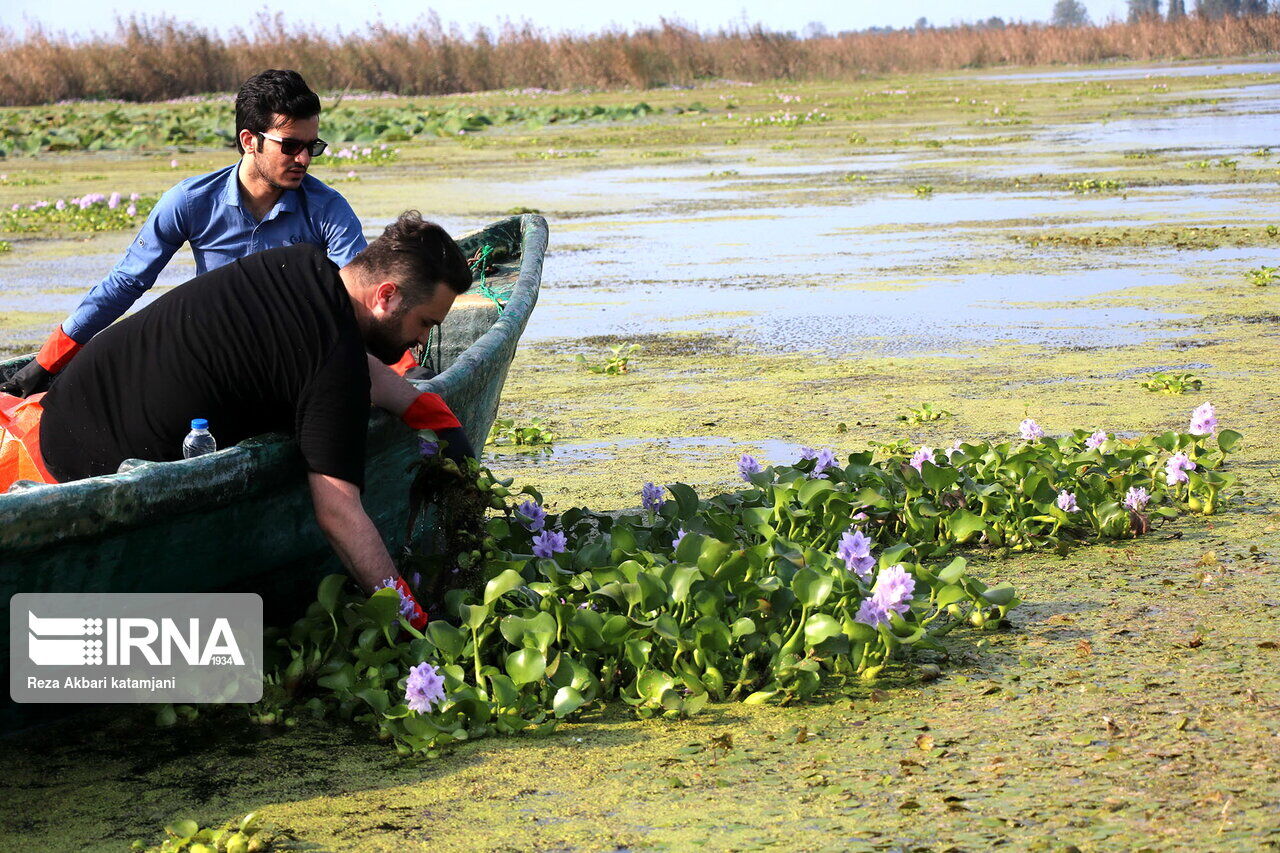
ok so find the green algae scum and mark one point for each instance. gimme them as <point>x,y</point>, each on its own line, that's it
<point>867,270</point>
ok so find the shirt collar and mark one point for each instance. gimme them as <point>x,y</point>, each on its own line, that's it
<point>288,202</point>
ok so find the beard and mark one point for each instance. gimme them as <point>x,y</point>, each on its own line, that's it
<point>267,179</point>
<point>382,339</point>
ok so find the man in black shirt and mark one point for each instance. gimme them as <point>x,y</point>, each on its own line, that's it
<point>274,342</point>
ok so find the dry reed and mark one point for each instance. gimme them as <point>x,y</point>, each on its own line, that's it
<point>146,60</point>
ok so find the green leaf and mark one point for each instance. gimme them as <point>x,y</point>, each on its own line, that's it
<point>860,632</point>
<point>567,700</point>
<point>475,615</point>
<point>182,828</point>
<point>953,571</point>
<point>690,548</point>
<point>448,639</point>
<point>382,608</point>
<point>712,555</point>
<point>501,585</point>
<point>681,579</point>
<point>819,627</point>
<point>964,524</point>
<point>1227,440</point>
<point>686,499</point>
<point>939,479</point>
<point>811,489</point>
<point>951,594</point>
<point>999,594</point>
<point>810,587</point>
<point>526,666</point>
<point>667,627</point>
<point>330,589</point>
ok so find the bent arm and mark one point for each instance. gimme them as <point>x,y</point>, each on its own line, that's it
<point>161,235</point>
<point>350,531</point>
<point>389,390</point>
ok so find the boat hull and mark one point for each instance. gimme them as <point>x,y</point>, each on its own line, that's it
<point>241,519</point>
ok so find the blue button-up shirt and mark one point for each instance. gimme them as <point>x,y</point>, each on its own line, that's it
<point>206,211</point>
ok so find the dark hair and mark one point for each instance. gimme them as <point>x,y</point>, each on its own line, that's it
<point>273,92</point>
<point>417,255</point>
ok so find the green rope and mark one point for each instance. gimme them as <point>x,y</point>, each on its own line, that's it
<point>479,265</point>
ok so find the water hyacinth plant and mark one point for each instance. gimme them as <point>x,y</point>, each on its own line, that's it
<point>618,362</point>
<point>1172,383</point>
<point>90,212</point>
<point>533,434</point>
<point>1030,430</point>
<point>925,413</point>
<point>531,515</point>
<point>369,155</point>
<point>761,594</point>
<point>1263,276</point>
<point>1204,421</point>
<point>651,497</point>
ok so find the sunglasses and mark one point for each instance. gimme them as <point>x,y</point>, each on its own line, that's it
<point>291,147</point>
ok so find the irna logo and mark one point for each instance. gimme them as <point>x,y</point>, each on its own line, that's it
<point>127,641</point>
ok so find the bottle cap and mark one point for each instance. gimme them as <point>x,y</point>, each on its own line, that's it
<point>199,423</point>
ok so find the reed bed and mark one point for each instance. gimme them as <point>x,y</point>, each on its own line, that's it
<point>157,59</point>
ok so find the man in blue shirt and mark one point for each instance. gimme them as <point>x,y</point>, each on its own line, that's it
<point>264,201</point>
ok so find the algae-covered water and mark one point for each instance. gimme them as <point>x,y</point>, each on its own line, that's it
<point>783,280</point>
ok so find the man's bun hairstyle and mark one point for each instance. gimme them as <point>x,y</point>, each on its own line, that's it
<point>417,255</point>
<point>273,92</point>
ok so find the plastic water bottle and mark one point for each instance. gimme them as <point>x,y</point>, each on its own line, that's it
<point>199,441</point>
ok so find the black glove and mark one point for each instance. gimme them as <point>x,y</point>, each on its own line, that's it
<point>459,447</point>
<point>31,379</point>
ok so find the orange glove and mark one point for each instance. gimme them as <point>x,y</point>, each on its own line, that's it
<point>429,411</point>
<point>407,362</point>
<point>410,609</point>
<point>56,353</point>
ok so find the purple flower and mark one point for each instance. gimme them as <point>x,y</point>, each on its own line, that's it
<point>60,204</point>
<point>134,196</point>
<point>651,497</point>
<point>1136,498</point>
<point>1204,421</point>
<point>114,201</point>
<point>855,550</point>
<point>747,466</point>
<point>1030,430</point>
<point>893,589</point>
<point>1067,501</point>
<point>871,612</point>
<point>424,688</point>
<point>532,516</point>
<point>921,456</point>
<point>680,534</point>
<point>131,210</point>
<point>1175,470</point>
<point>825,459</point>
<point>808,453</point>
<point>1096,439</point>
<point>427,447</point>
<point>407,607</point>
<point>548,543</point>
<point>955,448</point>
<point>860,516</point>
<point>173,164</point>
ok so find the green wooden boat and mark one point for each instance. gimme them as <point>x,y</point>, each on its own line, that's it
<point>241,519</point>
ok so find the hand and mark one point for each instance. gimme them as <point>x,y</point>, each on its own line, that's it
<point>31,379</point>
<point>456,445</point>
